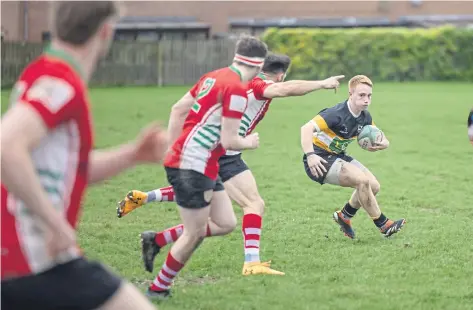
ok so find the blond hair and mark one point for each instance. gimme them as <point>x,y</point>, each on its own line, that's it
<point>359,79</point>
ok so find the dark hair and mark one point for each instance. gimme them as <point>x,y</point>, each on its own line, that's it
<point>75,22</point>
<point>276,63</point>
<point>251,47</point>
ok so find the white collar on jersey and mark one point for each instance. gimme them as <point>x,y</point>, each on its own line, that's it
<point>349,109</point>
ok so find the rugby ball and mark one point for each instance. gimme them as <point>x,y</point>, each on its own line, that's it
<point>369,136</point>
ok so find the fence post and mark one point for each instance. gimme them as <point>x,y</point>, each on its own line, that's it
<point>160,66</point>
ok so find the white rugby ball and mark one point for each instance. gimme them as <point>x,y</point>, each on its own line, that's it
<point>369,136</point>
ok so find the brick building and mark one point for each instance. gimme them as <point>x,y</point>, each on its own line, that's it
<point>28,20</point>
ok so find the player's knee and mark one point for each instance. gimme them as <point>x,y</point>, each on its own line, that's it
<point>362,182</point>
<point>226,225</point>
<point>261,206</point>
<point>229,224</point>
<point>255,206</point>
<point>375,186</point>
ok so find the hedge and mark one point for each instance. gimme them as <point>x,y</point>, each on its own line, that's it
<point>384,54</point>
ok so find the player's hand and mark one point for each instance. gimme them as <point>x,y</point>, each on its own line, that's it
<point>60,238</point>
<point>252,141</point>
<point>151,144</point>
<point>333,82</point>
<point>316,165</point>
<point>381,143</point>
<point>375,148</point>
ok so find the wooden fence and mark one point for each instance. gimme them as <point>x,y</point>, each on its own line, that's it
<point>172,62</point>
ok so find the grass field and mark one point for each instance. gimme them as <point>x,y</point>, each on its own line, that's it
<point>426,176</point>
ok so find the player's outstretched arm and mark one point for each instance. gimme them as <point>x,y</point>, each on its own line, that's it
<point>149,147</point>
<point>178,115</point>
<point>22,128</point>
<point>300,87</point>
<point>230,138</point>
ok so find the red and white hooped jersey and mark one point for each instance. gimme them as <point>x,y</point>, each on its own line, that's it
<point>217,94</point>
<point>53,87</point>
<point>256,109</point>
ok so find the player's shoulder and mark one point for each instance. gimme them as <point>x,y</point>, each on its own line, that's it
<point>339,108</point>
<point>223,76</point>
<point>231,80</point>
<point>52,73</point>
<point>53,84</point>
<point>259,81</point>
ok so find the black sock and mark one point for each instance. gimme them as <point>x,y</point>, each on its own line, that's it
<point>349,211</point>
<point>380,221</point>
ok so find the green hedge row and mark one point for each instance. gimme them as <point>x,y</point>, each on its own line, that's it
<point>384,54</point>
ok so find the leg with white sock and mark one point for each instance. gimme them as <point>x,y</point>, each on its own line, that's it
<point>135,199</point>
<point>163,194</point>
<point>152,242</point>
<point>196,196</point>
<point>243,190</point>
<point>195,221</point>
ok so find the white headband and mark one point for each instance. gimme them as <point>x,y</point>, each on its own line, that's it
<point>251,61</point>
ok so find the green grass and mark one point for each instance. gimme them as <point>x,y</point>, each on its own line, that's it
<point>425,176</point>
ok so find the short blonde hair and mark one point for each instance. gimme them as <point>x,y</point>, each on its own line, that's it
<point>359,79</point>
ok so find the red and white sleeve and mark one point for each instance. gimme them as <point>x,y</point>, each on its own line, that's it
<point>53,98</point>
<point>234,101</point>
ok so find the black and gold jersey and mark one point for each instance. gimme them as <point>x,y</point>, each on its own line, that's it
<point>337,127</point>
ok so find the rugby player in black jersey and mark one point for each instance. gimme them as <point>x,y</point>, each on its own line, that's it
<point>324,140</point>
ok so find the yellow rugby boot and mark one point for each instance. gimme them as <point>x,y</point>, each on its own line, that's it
<point>134,199</point>
<point>260,268</point>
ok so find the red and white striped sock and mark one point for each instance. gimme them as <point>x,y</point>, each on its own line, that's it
<point>251,228</point>
<point>165,277</point>
<point>161,194</point>
<point>170,235</point>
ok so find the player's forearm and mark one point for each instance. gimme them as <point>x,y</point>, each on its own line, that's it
<point>230,139</point>
<point>306,139</point>
<point>19,176</point>
<point>293,88</point>
<point>234,142</point>
<point>105,164</point>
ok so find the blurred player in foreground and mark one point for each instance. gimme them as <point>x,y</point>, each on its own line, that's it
<point>238,180</point>
<point>47,162</point>
<point>325,160</point>
<point>470,126</point>
<point>202,125</point>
